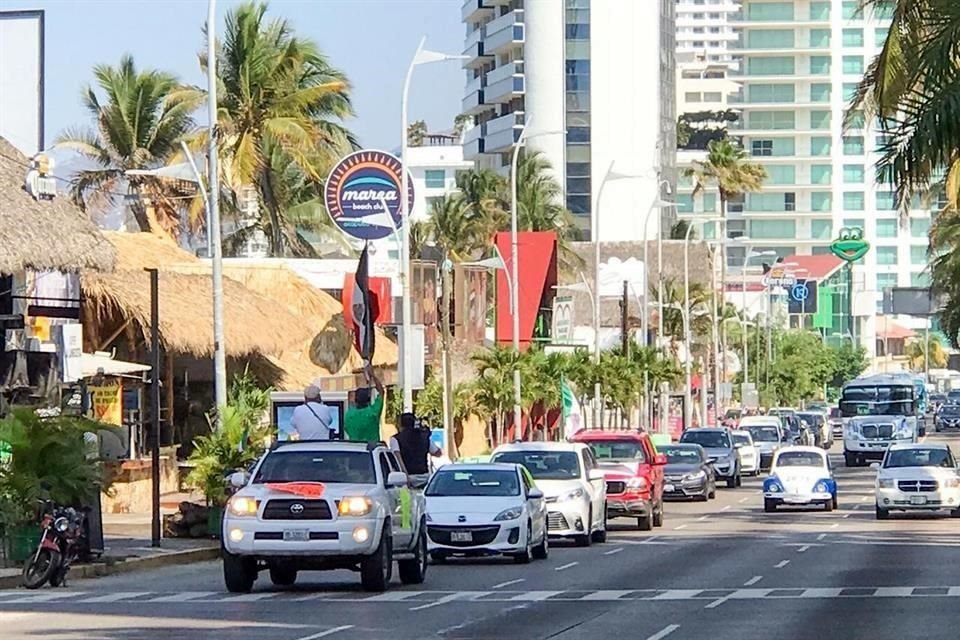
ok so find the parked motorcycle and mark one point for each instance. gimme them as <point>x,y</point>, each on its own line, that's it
<point>61,543</point>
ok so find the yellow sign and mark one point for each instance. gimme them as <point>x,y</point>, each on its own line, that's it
<point>107,404</point>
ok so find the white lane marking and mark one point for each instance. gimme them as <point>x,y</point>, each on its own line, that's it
<point>183,596</point>
<point>607,595</point>
<point>535,596</point>
<point>893,592</point>
<point>251,597</point>
<point>835,525</point>
<point>682,526</point>
<point>44,597</point>
<point>726,508</point>
<point>752,581</point>
<point>702,518</point>
<point>820,593</point>
<point>613,551</point>
<point>716,603</point>
<point>116,597</point>
<point>507,583</point>
<point>953,591</point>
<point>395,596</point>
<point>864,498</point>
<point>805,547</point>
<point>847,515</point>
<point>328,632</point>
<point>677,594</point>
<point>663,633</point>
<point>460,595</point>
<point>566,566</point>
<point>781,564</point>
<point>821,536</point>
<point>742,500</point>
<point>651,540</point>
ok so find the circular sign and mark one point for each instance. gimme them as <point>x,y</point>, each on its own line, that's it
<point>362,194</point>
<point>800,292</point>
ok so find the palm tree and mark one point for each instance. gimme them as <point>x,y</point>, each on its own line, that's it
<point>679,230</point>
<point>494,385</point>
<point>140,117</point>
<point>484,191</point>
<point>416,132</point>
<point>674,302</point>
<point>913,86</point>
<point>917,354</point>
<point>280,100</point>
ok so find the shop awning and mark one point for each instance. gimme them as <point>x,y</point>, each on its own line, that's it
<point>102,362</point>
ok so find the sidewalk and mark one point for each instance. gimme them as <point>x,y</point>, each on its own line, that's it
<point>127,547</point>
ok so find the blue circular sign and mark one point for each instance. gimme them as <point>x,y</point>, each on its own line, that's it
<point>800,292</point>
<point>362,194</point>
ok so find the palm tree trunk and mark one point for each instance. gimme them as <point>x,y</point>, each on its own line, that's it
<point>138,206</point>
<point>723,293</point>
<point>275,235</point>
<point>447,372</point>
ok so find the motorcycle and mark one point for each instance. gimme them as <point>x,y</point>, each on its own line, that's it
<point>61,543</point>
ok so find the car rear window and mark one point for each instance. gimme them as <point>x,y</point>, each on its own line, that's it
<point>618,450</point>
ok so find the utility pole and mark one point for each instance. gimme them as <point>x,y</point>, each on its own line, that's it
<point>624,319</point>
<point>213,198</point>
<point>155,405</point>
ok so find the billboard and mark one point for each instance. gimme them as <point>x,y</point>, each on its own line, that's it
<point>913,301</point>
<point>470,298</point>
<point>423,288</point>
<point>21,79</point>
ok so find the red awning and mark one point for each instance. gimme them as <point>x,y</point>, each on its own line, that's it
<point>889,330</point>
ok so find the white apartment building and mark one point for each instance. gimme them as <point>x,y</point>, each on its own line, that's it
<point>702,85</point>
<point>602,71</point>
<point>704,31</point>
<point>801,62</point>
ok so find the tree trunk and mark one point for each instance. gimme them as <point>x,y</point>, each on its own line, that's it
<point>275,235</point>
<point>138,207</point>
<point>723,294</point>
<point>447,372</point>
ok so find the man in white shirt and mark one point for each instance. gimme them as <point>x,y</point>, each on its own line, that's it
<point>314,420</point>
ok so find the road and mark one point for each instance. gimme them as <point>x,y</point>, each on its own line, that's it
<point>723,570</point>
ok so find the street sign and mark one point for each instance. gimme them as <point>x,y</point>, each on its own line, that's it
<point>562,330</point>
<point>779,277</point>
<point>803,297</point>
<point>362,195</point>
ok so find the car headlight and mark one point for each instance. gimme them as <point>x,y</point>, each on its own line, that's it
<point>61,524</point>
<point>774,487</point>
<point>509,514</point>
<point>903,432</point>
<point>952,483</point>
<point>242,506</point>
<point>571,495</point>
<point>636,483</point>
<point>355,506</point>
<point>821,487</point>
<point>852,432</point>
<point>886,483</point>
<point>700,475</point>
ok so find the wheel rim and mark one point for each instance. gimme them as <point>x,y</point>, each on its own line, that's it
<point>40,566</point>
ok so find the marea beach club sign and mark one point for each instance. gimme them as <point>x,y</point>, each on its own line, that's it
<point>359,188</point>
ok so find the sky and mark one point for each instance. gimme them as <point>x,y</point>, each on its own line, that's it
<point>372,41</point>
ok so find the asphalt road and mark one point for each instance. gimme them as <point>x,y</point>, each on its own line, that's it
<point>723,570</point>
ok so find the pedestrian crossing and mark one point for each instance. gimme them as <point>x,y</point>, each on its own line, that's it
<point>124,598</point>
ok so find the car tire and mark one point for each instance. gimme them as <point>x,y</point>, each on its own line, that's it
<point>882,514</point>
<point>739,479</point>
<point>732,482</point>
<point>600,535</point>
<point>849,460</point>
<point>283,576</point>
<point>769,505</point>
<point>645,523</point>
<point>658,515</point>
<point>377,568</point>
<point>836,503</point>
<point>239,573</point>
<point>542,550</point>
<point>525,556</point>
<point>587,538</point>
<point>713,492</point>
<point>414,570</point>
<point>955,513</point>
<point>828,506</point>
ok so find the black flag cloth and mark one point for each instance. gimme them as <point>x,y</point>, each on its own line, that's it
<point>364,309</point>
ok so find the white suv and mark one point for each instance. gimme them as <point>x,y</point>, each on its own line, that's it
<point>316,505</point>
<point>917,477</point>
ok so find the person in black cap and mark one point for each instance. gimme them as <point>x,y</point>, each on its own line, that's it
<point>413,443</point>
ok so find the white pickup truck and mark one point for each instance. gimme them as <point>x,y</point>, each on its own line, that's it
<point>317,505</point>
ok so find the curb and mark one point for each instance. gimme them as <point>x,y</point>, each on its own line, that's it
<point>113,566</point>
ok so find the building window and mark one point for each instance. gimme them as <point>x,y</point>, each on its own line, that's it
<point>821,174</point>
<point>851,9</point>
<point>578,31</point>
<point>820,146</point>
<point>578,135</point>
<point>781,174</point>
<point>712,96</point>
<point>684,203</point>
<point>853,174</point>
<point>853,37</point>
<point>772,66</point>
<point>886,281</point>
<point>820,92</point>
<point>774,120</point>
<point>770,11</point>
<point>819,120</point>
<point>919,227</point>
<point>819,38</point>
<point>882,142</point>
<point>853,201</point>
<point>774,202</point>
<point>886,255</point>
<point>921,279</point>
<point>821,201</point>
<point>880,35</point>
<point>435,178</point>
<point>709,202</point>
<point>820,10</point>
<point>770,39</point>
<point>853,145</point>
<point>820,65</point>
<point>854,119</point>
<point>853,223</point>
<point>853,65</point>
<point>761,147</point>
<point>578,186</point>
<point>849,89</point>
<point>883,10</point>
<point>887,227</point>
<point>579,205</point>
<point>886,201</point>
<point>918,255</point>
<point>821,229</point>
<point>773,229</point>
<point>770,93</point>
<point>692,96</point>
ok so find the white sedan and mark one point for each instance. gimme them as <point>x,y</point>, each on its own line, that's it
<point>917,477</point>
<point>748,451</point>
<point>485,509</point>
<point>800,476</point>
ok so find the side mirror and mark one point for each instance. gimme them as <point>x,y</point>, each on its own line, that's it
<point>534,494</point>
<point>711,460</point>
<point>660,459</point>
<point>396,479</point>
<point>239,479</point>
<point>595,474</point>
<point>874,465</point>
<point>738,445</point>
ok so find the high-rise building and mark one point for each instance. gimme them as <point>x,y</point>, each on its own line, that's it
<point>704,31</point>
<point>594,82</point>
<point>801,61</point>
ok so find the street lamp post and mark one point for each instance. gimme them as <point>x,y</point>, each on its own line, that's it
<point>213,199</point>
<point>743,308</point>
<point>688,396</point>
<point>515,265</point>
<point>422,56</point>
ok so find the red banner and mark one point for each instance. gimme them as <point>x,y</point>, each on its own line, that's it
<point>379,287</point>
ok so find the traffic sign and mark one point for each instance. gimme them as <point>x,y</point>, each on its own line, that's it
<point>803,297</point>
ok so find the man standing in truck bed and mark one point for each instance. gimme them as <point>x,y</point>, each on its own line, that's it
<point>362,421</point>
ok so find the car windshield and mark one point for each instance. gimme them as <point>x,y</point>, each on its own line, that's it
<point>950,409</point>
<point>682,455</point>
<point>706,439</point>
<point>743,438</point>
<point>764,434</point>
<point>485,482</point>
<point>800,459</point>
<point>355,467</point>
<point>733,414</point>
<point>618,450</point>
<point>544,465</point>
<point>933,457</point>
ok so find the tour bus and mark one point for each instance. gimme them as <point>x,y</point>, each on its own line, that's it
<point>878,411</point>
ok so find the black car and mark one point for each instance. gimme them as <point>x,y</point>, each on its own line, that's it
<point>948,417</point>
<point>689,473</point>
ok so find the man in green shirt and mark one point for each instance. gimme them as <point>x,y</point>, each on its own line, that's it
<point>362,421</point>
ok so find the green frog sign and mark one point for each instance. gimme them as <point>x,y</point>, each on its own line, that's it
<point>850,245</point>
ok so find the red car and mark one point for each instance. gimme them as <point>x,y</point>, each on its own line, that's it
<point>633,471</point>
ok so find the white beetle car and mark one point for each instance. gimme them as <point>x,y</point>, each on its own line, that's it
<point>485,509</point>
<point>800,476</point>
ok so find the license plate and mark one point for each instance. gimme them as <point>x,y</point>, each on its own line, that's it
<point>461,536</point>
<point>296,535</point>
<point>668,487</point>
<point>918,500</point>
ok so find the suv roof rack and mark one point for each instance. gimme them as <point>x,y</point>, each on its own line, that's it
<point>370,444</point>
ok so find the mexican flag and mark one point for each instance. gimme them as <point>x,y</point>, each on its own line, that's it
<point>572,412</point>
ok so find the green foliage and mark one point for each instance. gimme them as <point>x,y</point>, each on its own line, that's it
<point>49,461</point>
<point>240,439</point>
<point>697,130</point>
<point>849,362</point>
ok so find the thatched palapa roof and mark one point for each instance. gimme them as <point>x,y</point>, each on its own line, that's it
<point>44,235</point>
